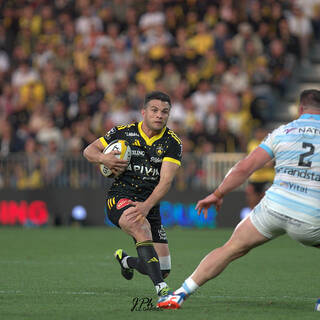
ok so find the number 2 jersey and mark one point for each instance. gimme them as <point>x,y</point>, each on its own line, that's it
<point>143,172</point>
<point>296,188</point>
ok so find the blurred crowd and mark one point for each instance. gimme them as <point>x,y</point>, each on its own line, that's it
<point>71,70</point>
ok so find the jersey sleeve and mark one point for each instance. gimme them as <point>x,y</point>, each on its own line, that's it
<point>110,136</point>
<point>269,143</point>
<point>174,151</point>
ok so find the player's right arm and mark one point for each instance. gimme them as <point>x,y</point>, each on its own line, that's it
<point>237,175</point>
<point>94,153</point>
<point>243,170</point>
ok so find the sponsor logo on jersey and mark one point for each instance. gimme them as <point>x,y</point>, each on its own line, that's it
<point>122,203</point>
<point>293,186</point>
<point>289,130</point>
<point>159,150</point>
<point>136,143</point>
<point>138,153</point>
<point>131,134</point>
<point>301,173</point>
<point>309,130</point>
<point>155,159</point>
<point>150,178</point>
<point>125,126</point>
<point>109,133</point>
<point>148,171</point>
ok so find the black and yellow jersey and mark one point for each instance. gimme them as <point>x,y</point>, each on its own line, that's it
<point>143,173</point>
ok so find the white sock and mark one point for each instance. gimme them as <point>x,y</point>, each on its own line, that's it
<point>160,286</point>
<point>124,262</point>
<point>188,287</point>
<point>165,263</point>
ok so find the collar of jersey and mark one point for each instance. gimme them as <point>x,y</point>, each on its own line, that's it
<point>309,115</point>
<point>148,140</point>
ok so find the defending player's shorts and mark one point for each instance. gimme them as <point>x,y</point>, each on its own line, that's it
<point>272,224</point>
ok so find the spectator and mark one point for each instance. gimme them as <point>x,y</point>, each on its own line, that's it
<point>202,98</point>
<point>9,141</point>
<point>236,79</point>
<point>87,20</point>
<point>24,75</point>
<point>52,165</point>
<point>8,100</point>
<point>4,61</point>
<point>30,174</point>
<point>311,9</point>
<point>226,100</point>
<point>171,77</point>
<point>202,41</point>
<point>109,75</point>
<point>290,41</point>
<point>70,99</point>
<point>246,34</point>
<point>93,95</point>
<point>224,140</point>
<point>50,135</point>
<point>300,26</point>
<point>152,18</point>
<point>147,75</point>
<point>280,64</point>
<point>211,120</point>
<point>221,34</point>
<point>59,115</point>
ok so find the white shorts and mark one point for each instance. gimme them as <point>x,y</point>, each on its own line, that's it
<point>272,224</point>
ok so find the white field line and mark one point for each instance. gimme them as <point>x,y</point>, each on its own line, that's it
<point>32,262</point>
<point>196,296</point>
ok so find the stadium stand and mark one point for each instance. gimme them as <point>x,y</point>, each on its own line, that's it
<point>71,70</point>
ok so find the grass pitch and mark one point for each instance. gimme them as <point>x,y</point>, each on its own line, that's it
<point>70,273</point>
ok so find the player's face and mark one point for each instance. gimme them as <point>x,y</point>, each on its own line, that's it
<point>156,115</point>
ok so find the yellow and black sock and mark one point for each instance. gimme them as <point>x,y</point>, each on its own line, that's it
<point>147,261</point>
<point>136,263</point>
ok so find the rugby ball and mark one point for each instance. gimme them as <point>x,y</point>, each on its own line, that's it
<point>116,145</point>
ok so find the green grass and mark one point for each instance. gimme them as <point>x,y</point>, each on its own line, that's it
<point>71,274</point>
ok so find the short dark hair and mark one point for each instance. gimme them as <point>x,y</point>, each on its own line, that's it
<point>310,98</point>
<point>156,95</point>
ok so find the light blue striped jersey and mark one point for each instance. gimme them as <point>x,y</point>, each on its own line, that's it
<point>295,191</point>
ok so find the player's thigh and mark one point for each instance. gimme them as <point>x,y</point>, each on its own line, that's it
<point>115,208</point>
<point>246,236</point>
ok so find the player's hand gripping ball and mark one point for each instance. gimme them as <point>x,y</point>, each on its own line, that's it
<point>125,154</point>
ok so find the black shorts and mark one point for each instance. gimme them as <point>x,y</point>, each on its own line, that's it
<point>117,205</point>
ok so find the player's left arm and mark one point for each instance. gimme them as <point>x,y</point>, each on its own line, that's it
<point>141,209</point>
<point>167,174</point>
